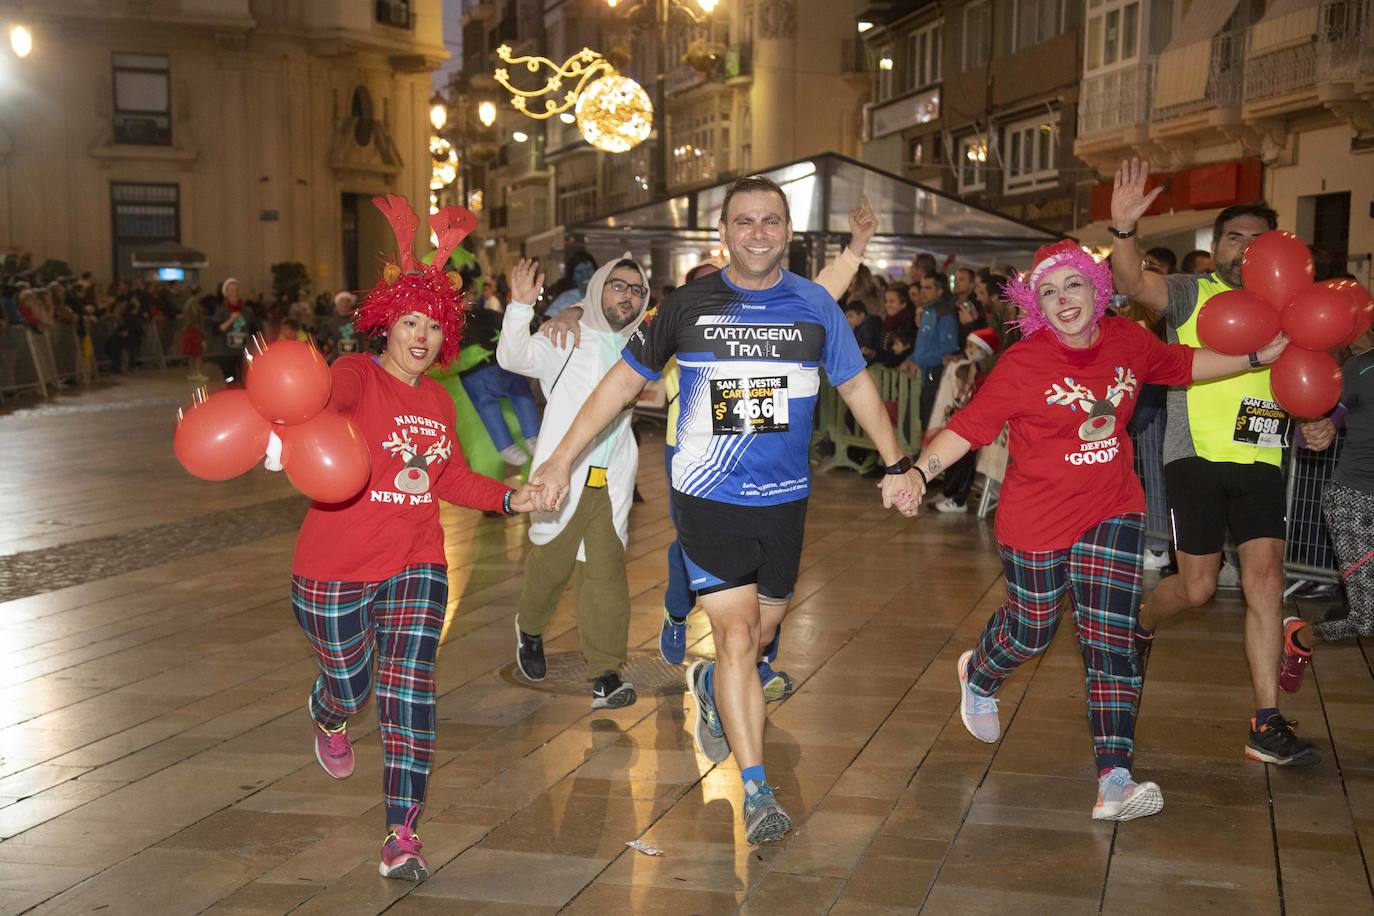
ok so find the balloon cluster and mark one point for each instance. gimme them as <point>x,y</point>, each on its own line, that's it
<point>1279,294</point>
<point>287,386</point>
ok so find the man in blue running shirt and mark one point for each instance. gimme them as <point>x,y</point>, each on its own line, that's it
<point>750,342</point>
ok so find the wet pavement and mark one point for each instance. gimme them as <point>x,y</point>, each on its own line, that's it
<point>157,753</point>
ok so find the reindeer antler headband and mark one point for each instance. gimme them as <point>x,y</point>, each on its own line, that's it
<point>1060,254</point>
<point>413,286</point>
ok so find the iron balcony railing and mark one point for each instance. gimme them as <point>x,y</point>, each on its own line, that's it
<point>1225,79</point>
<point>1340,51</point>
<point>1111,101</point>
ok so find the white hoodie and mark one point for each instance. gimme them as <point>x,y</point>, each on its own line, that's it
<point>568,377</point>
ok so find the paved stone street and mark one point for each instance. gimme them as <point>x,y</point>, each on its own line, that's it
<point>157,753</point>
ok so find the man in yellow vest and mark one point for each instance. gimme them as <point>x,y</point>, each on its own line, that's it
<point>1223,455</point>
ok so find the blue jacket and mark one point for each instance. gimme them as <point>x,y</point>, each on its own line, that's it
<point>937,337</point>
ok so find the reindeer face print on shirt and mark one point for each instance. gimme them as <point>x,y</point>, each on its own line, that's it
<point>420,443</point>
<point>1099,429</point>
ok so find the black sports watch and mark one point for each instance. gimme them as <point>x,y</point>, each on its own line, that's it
<point>1119,234</point>
<point>901,467</point>
<point>1254,361</point>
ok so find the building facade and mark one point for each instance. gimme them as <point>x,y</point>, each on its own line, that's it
<point>252,131</point>
<point>1236,100</point>
<point>977,98</point>
<point>754,83</point>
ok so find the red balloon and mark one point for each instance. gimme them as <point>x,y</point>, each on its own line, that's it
<point>1319,318</point>
<point>221,436</point>
<point>1362,301</point>
<point>1277,266</point>
<point>288,381</point>
<point>1237,322</point>
<point>1306,383</point>
<point>325,457</point>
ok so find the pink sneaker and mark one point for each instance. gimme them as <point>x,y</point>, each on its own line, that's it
<point>333,751</point>
<point>401,852</point>
<point>1295,658</point>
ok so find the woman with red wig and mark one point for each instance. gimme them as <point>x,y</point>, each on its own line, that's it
<point>370,578</point>
<point>1070,517</point>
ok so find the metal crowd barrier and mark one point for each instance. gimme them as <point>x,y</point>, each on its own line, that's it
<point>1307,553</point>
<point>835,423</point>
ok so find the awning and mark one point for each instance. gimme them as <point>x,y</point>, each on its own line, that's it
<point>1183,66</point>
<point>1286,24</point>
<point>168,254</point>
<point>1096,235</point>
<point>821,191</point>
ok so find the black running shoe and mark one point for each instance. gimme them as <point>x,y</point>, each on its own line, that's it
<point>1275,742</point>
<point>610,692</point>
<point>529,654</point>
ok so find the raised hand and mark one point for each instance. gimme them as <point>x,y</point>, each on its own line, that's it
<point>863,222</point>
<point>526,280</point>
<point>1130,200</point>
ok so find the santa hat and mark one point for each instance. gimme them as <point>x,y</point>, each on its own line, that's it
<point>986,339</point>
<point>411,285</point>
<point>224,287</point>
<point>1066,253</point>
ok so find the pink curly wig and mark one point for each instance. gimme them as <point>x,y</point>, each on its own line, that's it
<point>414,286</point>
<point>1066,253</point>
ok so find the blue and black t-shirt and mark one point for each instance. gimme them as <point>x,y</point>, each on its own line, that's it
<point>750,363</point>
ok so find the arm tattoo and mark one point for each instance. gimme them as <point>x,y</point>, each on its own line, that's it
<point>934,465</point>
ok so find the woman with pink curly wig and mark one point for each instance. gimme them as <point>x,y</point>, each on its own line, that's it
<point>1070,515</point>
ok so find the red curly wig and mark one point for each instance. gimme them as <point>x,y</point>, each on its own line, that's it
<point>413,286</point>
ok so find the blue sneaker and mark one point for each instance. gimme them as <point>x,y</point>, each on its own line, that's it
<point>707,730</point>
<point>672,640</point>
<point>776,684</point>
<point>764,819</point>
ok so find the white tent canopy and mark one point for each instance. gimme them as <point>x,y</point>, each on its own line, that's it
<point>821,191</point>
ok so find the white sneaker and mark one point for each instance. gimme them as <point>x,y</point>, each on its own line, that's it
<point>1156,559</point>
<point>949,505</point>
<point>1228,576</point>
<point>1121,798</point>
<point>979,713</point>
<point>514,454</point>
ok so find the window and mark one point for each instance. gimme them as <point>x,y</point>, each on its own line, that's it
<point>923,57</point>
<point>1113,34</point>
<point>1029,153</point>
<point>394,12</point>
<point>1035,21</point>
<point>915,152</point>
<point>973,163</point>
<point>360,107</point>
<point>977,47</point>
<point>142,214</point>
<point>142,100</point>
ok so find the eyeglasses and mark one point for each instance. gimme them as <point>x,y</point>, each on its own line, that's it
<point>620,286</point>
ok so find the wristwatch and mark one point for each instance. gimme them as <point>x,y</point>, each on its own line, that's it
<point>1119,234</point>
<point>901,467</point>
<point>1254,361</point>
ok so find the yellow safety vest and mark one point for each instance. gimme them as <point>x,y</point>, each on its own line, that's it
<point>1219,414</point>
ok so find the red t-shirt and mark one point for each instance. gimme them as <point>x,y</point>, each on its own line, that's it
<point>1072,465</point>
<point>394,522</point>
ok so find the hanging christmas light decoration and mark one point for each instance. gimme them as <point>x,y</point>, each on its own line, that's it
<point>613,112</point>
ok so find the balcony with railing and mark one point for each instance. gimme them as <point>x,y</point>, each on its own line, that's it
<point>1340,51</point>
<point>1116,100</point>
<point>1225,81</point>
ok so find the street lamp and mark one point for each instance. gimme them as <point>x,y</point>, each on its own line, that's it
<point>661,11</point>
<point>486,113</point>
<point>438,111</point>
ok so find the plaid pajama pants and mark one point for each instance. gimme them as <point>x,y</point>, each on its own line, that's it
<point>1102,574</point>
<point>399,621</point>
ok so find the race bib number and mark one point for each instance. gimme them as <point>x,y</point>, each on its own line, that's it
<point>1262,423</point>
<point>748,405</point>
